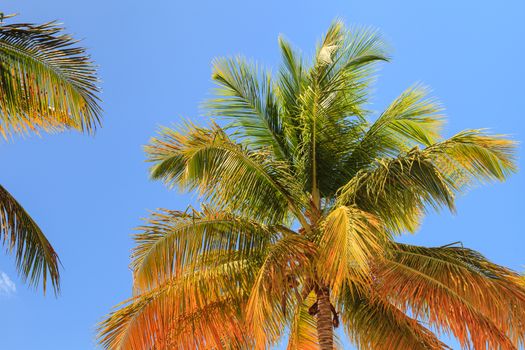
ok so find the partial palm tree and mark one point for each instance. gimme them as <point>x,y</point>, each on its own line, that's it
<point>304,192</point>
<point>47,83</point>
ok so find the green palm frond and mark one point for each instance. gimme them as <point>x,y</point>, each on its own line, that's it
<point>434,175</point>
<point>383,190</point>
<point>344,67</point>
<point>46,81</point>
<point>331,103</point>
<point>412,119</point>
<point>227,174</point>
<point>36,260</point>
<point>292,80</point>
<point>245,96</point>
<point>475,156</point>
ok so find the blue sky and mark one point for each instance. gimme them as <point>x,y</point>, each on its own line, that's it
<point>88,193</point>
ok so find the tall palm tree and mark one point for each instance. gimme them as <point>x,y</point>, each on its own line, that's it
<point>47,83</point>
<point>303,197</point>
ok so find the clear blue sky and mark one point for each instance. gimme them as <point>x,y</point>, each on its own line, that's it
<point>88,193</point>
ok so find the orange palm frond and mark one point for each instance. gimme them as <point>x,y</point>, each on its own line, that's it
<point>372,322</point>
<point>274,292</point>
<point>458,291</point>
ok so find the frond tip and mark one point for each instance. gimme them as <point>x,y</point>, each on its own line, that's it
<point>36,260</point>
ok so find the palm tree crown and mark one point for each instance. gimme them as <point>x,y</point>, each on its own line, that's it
<point>304,195</point>
<point>47,83</point>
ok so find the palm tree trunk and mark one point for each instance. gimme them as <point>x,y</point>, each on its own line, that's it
<point>325,330</point>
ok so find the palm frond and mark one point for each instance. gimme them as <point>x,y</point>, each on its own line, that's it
<point>173,242</point>
<point>46,81</point>
<point>197,310</point>
<point>245,96</point>
<point>399,190</point>
<point>350,238</point>
<point>36,260</point>
<point>225,173</point>
<point>475,156</point>
<point>288,89</point>
<point>332,102</point>
<point>274,292</point>
<point>344,68</point>
<point>372,322</point>
<point>413,118</point>
<point>457,290</point>
<point>303,330</point>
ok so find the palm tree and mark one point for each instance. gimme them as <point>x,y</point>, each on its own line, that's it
<point>47,83</point>
<point>303,197</point>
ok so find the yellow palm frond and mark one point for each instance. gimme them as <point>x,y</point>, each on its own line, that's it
<point>303,330</point>
<point>350,240</point>
<point>274,292</point>
<point>46,81</point>
<point>173,242</point>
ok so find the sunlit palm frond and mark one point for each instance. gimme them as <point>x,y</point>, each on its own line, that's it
<point>475,156</point>
<point>372,322</point>
<point>152,325</point>
<point>36,260</point>
<point>413,118</point>
<point>344,66</point>
<point>494,289</point>
<point>227,174</point>
<point>46,81</point>
<point>245,96</point>
<point>174,242</point>
<point>457,290</point>
<point>350,240</point>
<point>292,80</point>
<point>398,190</point>
<point>273,295</point>
<point>200,309</point>
<point>303,330</point>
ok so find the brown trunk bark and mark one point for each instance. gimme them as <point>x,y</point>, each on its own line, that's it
<point>325,330</point>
